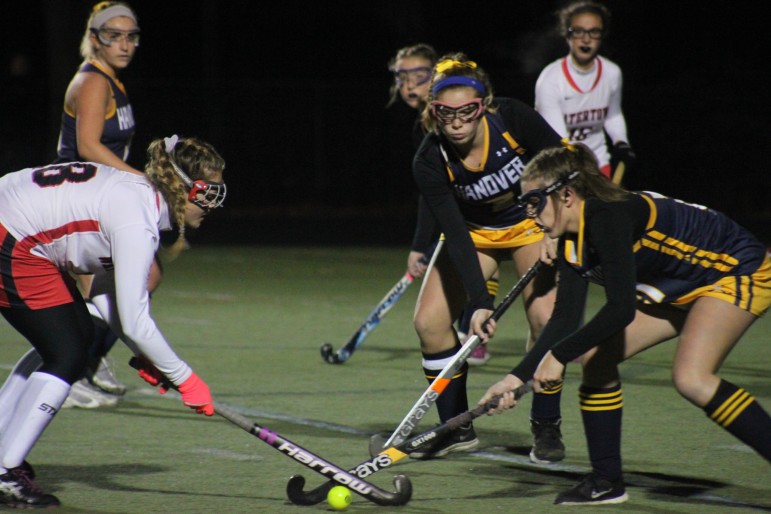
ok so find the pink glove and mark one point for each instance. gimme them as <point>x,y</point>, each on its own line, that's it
<point>150,374</point>
<point>196,395</point>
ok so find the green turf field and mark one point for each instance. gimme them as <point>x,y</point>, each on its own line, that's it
<point>250,321</point>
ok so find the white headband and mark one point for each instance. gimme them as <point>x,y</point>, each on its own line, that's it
<point>109,13</point>
<point>170,143</point>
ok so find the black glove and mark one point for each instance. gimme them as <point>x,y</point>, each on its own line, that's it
<point>622,152</point>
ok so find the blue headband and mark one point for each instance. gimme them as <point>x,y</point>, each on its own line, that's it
<point>459,80</point>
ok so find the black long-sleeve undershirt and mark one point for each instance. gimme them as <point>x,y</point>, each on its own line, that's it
<point>611,228</point>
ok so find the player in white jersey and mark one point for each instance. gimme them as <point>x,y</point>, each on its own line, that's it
<point>76,218</point>
<point>580,94</point>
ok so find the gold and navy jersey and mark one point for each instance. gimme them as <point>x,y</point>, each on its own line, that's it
<point>459,198</point>
<point>681,246</point>
<point>487,194</point>
<point>118,127</point>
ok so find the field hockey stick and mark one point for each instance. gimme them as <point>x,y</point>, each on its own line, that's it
<point>373,320</point>
<point>393,454</point>
<point>441,381</point>
<point>311,460</point>
<point>322,466</point>
<point>618,175</point>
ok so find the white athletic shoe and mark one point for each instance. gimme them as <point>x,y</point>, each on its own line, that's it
<point>86,396</point>
<point>104,378</point>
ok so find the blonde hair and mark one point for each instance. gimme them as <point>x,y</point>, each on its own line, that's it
<point>87,50</point>
<point>553,164</point>
<point>198,159</point>
<point>455,65</point>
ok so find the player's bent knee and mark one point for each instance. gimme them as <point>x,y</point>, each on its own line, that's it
<point>693,386</point>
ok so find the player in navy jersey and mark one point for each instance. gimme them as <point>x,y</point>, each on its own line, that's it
<point>98,126</point>
<point>98,121</point>
<point>90,218</point>
<point>467,169</point>
<point>411,67</point>
<point>580,94</point>
<point>669,268</point>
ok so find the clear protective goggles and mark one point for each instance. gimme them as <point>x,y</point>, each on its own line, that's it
<point>415,76</point>
<point>108,36</point>
<point>467,112</point>
<point>534,202</point>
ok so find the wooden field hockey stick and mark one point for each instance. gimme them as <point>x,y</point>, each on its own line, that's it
<point>391,455</point>
<point>427,399</point>
<point>373,320</point>
<point>618,175</point>
<point>310,460</point>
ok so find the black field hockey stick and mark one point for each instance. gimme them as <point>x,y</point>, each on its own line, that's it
<point>310,460</point>
<point>373,320</point>
<point>391,455</point>
<point>429,397</point>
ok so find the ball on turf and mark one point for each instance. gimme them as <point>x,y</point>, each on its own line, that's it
<point>339,497</point>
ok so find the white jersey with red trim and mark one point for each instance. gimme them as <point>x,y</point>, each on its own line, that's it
<point>89,218</point>
<point>583,105</point>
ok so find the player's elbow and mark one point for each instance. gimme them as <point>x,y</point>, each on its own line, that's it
<point>626,313</point>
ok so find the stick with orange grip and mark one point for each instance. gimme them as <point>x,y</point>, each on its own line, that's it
<point>429,397</point>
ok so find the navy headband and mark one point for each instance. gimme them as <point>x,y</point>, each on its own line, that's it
<point>459,80</point>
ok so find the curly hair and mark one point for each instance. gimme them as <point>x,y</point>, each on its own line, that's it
<point>552,164</point>
<point>198,159</point>
<point>461,66</point>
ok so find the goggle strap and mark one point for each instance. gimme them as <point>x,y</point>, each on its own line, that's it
<point>181,174</point>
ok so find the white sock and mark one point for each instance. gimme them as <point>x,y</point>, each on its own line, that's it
<point>15,384</point>
<point>41,399</point>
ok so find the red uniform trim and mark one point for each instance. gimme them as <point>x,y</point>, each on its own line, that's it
<point>33,282</point>
<point>566,71</point>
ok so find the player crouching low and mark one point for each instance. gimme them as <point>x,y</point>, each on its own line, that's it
<point>89,218</point>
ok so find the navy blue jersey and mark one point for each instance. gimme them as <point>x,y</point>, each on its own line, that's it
<point>683,247</point>
<point>487,195</point>
<point>118,125</point>
<point>460,197</point>
<point>647,248</point>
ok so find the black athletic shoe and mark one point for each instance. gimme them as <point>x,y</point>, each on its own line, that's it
<point>547,442</point>
<point>463,439</point>
<point>28,469</point>
<point>593,490</point>
<point>18,490</point>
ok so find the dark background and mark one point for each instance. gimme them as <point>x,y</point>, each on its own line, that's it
<point>293,95</point>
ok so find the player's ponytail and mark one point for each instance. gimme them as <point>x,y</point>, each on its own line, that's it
<point>553,164</point>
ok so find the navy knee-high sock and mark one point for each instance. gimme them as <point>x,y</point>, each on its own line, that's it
<point>545,406</point>
<point>453,400</point>
<point>737,411</point>
<point>601,411</point>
